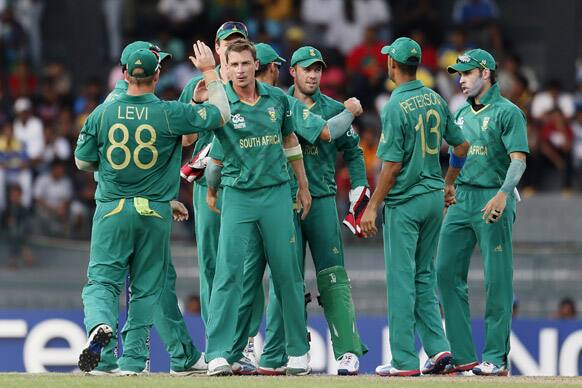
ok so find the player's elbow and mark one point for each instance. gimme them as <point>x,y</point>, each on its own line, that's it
<point>325,134</point>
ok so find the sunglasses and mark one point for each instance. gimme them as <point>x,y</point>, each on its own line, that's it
<point>467,59</point>
<point>234,26</point>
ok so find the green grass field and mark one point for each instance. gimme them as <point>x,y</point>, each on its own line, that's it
<point>25,380</point>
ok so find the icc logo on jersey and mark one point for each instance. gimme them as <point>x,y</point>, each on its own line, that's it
<point>238,121</point>
<point>460,122</point>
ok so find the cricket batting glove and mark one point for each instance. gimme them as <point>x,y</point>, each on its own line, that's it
<point>359,198</point>
<point>194,169</point>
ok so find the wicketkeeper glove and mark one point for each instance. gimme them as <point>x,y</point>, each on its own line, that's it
<point>359,198</point>
<point>194,169</point>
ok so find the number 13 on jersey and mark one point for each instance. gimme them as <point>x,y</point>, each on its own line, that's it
<point>434,129</point>
<point>122,145</point>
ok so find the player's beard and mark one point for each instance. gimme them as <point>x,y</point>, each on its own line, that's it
<point>476,88</point>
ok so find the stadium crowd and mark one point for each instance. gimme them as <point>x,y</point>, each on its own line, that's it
<point>43,104</point>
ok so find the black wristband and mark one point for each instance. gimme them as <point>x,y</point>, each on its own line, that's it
<point>196,102</point>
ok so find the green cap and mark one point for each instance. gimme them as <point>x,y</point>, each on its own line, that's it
<point>140,44</point>
<point>267,54</point>
<point>404,50</point>
<point>142,59</point>
<point>306,56</point>
<point>473,59</point>
<point>229,28</point>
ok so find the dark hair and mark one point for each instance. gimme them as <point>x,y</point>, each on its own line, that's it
<point>239,47</point>
<point>262,69</point>
<point>492,76</point>
<point>408,69</point>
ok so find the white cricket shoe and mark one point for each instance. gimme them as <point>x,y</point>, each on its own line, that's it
<point>91,354</point>
<point>488,369</point>
<point>298,366</point>
<point>97,372</point>
<point>265,371</point>
<point>348,365</point>
<point>198,368</point>
<point>389,371</point>
<point>219,367</point>
<point>249,353</point>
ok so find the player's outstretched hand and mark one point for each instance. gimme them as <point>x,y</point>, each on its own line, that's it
<point>203,57</point>
<point>179,211</point>
<point>200,92</point>
<point>304,201</point>
<point>211,199</point>
<point>354,106</point>
<point>368,223</point>
<point>493,211</point>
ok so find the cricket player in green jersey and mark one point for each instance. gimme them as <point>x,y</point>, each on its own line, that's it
<point>257,144</point>
<point>311,127</point>
<point>185,359</point>
<point>206,222</point>
<point>320,229</point>
<point>483,214</point>
<point>414,122</point>
<point>134,142</point>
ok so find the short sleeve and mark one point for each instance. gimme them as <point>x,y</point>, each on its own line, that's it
<point>216,150</point>
<point>184,119</point>
<point>391,146</point>
<point>453,134</point>
<point>307,124</point>
<point>514,131</point>
<point>87,148</point>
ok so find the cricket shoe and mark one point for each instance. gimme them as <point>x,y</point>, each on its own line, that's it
<point>91,355</point>
<point>348,365</point>
<point>387,370</point>
<point>298,366</point>
<point>488,369</point>
<point>437,363</point>
<point>198,368</point>
<point>219,367</point>
<point>249,352</point>
<point>97,372</point>
<point>245,366</point>
<point>460,370</point>
<point>278,371</point>
<point>126,373</point>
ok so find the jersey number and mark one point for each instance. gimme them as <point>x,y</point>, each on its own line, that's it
<point>426,149</point>
<point>149,145</point>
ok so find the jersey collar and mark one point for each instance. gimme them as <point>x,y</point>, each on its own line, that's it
<point>233,97</point>
<point>405,87</point>
<point>490,96</point>
<point>144,98</point>
<point>121,85</point>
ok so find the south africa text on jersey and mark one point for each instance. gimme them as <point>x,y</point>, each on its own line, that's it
<point>259,141</point>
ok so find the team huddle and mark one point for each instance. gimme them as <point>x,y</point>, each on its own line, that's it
<point>264,189</point>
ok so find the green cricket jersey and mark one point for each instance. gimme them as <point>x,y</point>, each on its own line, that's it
<point>414,122</point>
<point>137,142</point>
<point>252,140</point>
<point>320,156</point>
<point>496,130</point>
<point>119,89</point>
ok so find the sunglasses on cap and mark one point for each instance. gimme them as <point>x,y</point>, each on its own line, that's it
<point>234,26</point>
<point>468,59</point>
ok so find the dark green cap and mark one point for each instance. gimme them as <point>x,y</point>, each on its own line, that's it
<point>143,59</point>
<point>404,50</point>
<point>306,56</point>
<point>473,59</point>
<point>140,44</point>
<point>267,54</point>
<point>229,28</point>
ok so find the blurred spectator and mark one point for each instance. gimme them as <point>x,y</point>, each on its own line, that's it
<point>193,305</point>
<point>553,97</point>
<point>429,52</point>
<point>21,82</point>
<point>179,13</point>
<point>419,15</point>
<point>566,309</point>
<point>223,10</point>
<point>556,146</point>
<point>29,130</point>
<point>276,10</point>
<point>510,68</point>
<point>16,223</point>
<point>53,193</point>
<point>12,40</point>
<point>90,96</point>
<point>345,20</point>
<point>29,15</point>
<point>520,93</point>
<point>57,147</point>
<point>577,147</point>
<point>60,78</point>
<point>367,68</point>
<point>48,105</point>
<point>112,10</point>
<point>14,166</point>
<point>456,45</point>
<point>369,144</point>
<point>474,13</point>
